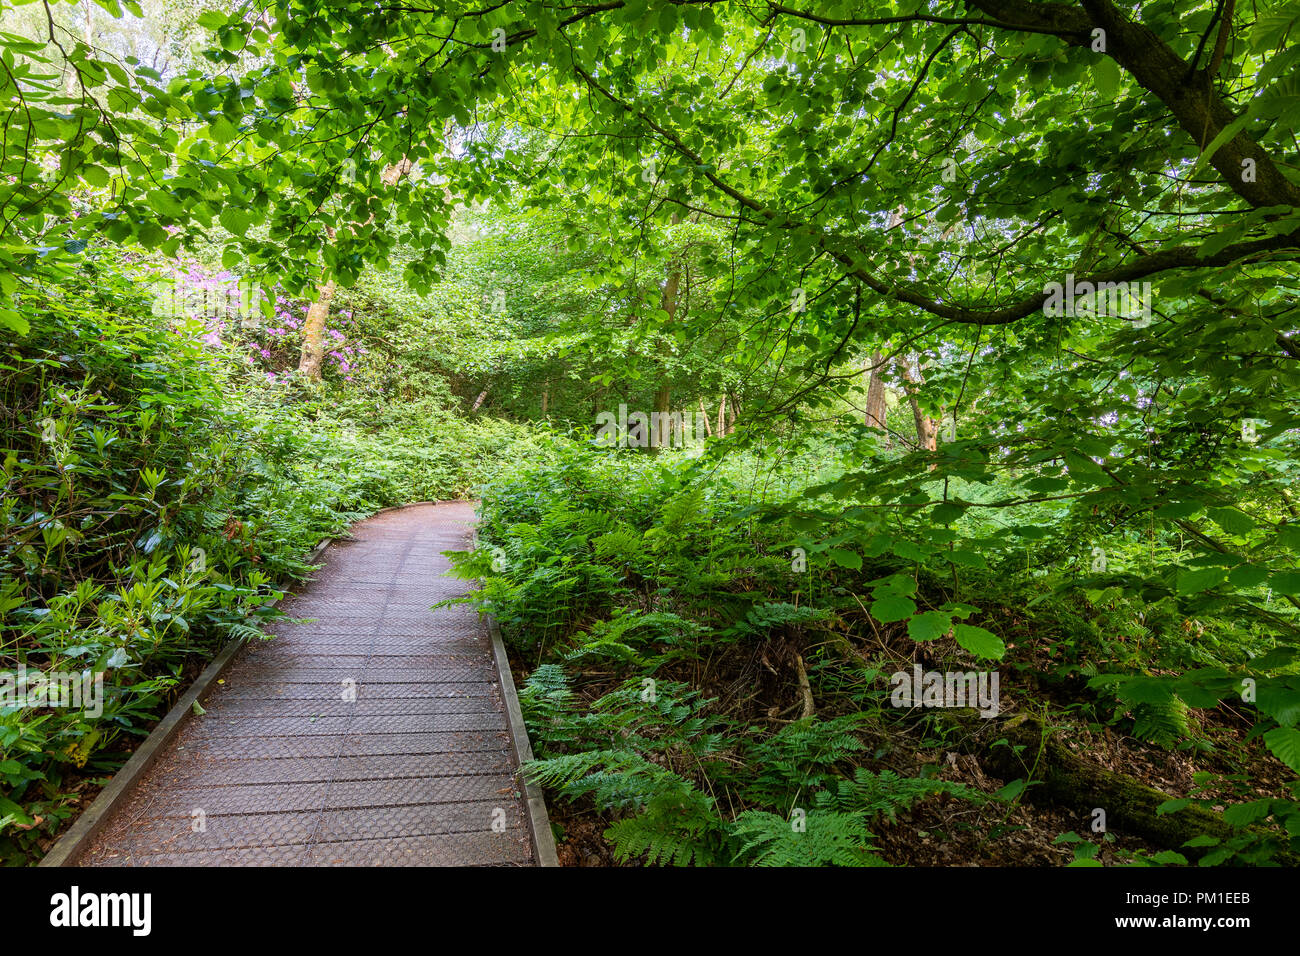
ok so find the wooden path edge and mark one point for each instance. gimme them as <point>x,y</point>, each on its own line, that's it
<point>68,848</point>
<point>539,821</point>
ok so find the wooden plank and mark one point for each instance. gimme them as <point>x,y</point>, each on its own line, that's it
<point>416,745</point>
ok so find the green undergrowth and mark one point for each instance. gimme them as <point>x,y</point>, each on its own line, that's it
<point>152,506</point>
<point>663,608</point>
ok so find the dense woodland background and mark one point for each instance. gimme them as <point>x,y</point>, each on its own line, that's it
<point>265,270</point>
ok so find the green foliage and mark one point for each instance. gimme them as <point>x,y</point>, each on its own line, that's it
<point>823,838</point>
<point>884,794</point>
<point>150,510</point>
<point>675,204</point>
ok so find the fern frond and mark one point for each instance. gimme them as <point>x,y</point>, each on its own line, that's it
<point>821,838</point>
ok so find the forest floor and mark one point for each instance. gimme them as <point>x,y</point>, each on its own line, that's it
<point>943,830</point>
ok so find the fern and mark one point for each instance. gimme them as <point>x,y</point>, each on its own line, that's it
<point>800,758</point>
<point>671,821</point>
<point>1164,722</point>
<point>244,632</point>
<point>765,617</point>
<point>886,793</point>
<point>678,827</point>
<point>821,838</point>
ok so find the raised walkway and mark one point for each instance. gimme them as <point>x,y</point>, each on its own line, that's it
<point>378,733</point>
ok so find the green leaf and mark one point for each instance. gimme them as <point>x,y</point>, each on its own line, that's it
<point>978,641</point>
<point>928,626</point>
<point>967,558</point>
<point>96,176</point>
<point>1247,576</point>
<point>1012,790</point>
<point>1285,744</point>
<point>234,220</point>
<point>1199,579</point>
<point>1279,700</point>
<point>946,512</point>
<point>1285,582</point>
<point>845,558</point>
<point>1244,814</point>
<point>892,607</point>
<point>1105,77</point>
<point>222,130</point>
<point>1173,806</point>
<point>1231,520</point>
<point>9,319</point>
<point>1146,690</point>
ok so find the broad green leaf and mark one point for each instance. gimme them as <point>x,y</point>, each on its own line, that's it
<point>978,641</point>
<point>892,608</point>
<point>928,626</point>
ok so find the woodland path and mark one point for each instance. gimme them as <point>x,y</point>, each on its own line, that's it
<point>283,768</point>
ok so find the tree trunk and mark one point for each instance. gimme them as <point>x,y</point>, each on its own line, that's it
<point>704,414</point>
<point>313,333</point>
<point>927,430</point>
<point>722,416</point>
<point>1067,780</point>
<point>668,303</point>
<point>479,401</point>
<point>876,406</point>
<point>312,356</point>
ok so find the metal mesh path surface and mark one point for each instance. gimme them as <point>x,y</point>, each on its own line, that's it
<point>376,733</point>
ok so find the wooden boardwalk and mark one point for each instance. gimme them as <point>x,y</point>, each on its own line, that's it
<point>377,733</point>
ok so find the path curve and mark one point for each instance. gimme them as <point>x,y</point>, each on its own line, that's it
<point>285,769</point>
